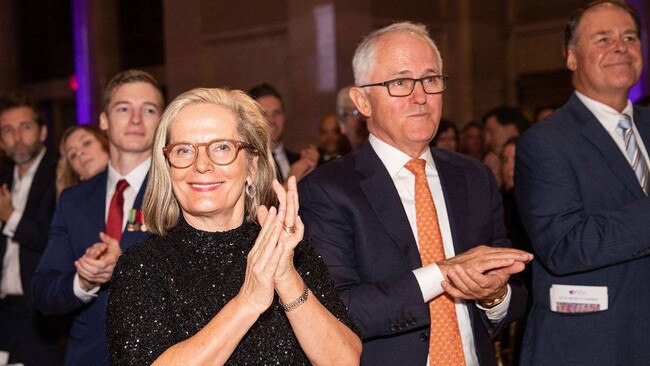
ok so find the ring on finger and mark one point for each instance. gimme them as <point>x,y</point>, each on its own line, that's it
<point>289,229</point>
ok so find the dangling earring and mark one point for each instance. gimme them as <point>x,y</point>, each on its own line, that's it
<point>249,190</point>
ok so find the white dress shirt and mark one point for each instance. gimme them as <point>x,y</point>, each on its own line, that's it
<point>135,178</point>
<point>281,159</point>
<point>430,277</point>
<point>609,117</point>
<point>10,283</point>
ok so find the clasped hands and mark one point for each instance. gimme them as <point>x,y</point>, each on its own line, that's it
<point>270,262</point>
<point>96,266</point>
<point>482,272</point>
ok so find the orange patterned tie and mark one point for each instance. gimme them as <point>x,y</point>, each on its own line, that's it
<point>445,345</point>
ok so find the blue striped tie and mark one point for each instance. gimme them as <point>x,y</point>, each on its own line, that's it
<point>638,162</point>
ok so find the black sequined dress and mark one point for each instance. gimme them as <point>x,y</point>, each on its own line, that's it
<point>166,289</point>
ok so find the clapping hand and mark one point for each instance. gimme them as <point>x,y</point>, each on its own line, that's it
<point>96,266</point>
<point>262,263</point>
<point>482,272</point>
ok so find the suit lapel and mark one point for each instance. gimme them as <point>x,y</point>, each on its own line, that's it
<point>95,207</point>
<point>593,131</point>
<point>6,177</point>
<point>43,178</point>
<point>131,237</point>
<point>454,188</point>
<point>382,196</point>
<point>642,123</point>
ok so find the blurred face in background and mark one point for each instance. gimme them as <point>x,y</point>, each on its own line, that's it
<point>497,134</point>
<point>85,153</point>
<point>471,140</point>
<point>330,135</point>
<point>447,140</point>
<point>274,113</point>
<point>20,135</point>
<point>508,166</point>
<point>353,126</point>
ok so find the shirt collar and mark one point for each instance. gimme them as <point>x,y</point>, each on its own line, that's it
<point>135,177</point>
<point>279,148</point>
<point>395,159</point>
<point>31,171</point>
<point>606,115</point>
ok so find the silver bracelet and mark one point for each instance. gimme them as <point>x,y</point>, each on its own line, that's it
<point>297,302</point>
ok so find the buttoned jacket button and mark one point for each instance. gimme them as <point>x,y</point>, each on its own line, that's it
<point>424,337</point>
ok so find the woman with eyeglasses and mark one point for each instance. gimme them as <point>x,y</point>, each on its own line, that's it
<point>228,279</point>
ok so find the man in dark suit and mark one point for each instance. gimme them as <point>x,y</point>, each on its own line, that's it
<point>367,220</point>
<point>581,187</point>
<point>287,162</point>
<point>75,271</point>
<point>27,199</point>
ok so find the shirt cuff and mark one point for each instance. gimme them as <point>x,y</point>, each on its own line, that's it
<point>429,279</point>
<point>10,226</point>
<point>84,296</point>
<point>498,313</point>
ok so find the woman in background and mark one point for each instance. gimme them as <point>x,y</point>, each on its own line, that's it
<point>84,153</point>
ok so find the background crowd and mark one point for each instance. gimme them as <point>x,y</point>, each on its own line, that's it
<point>572,191</point>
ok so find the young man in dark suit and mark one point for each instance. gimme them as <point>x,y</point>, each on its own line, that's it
<point>27,199</point>
<point>98,219</point>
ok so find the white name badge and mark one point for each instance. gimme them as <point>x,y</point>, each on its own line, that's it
<point>578,299</point>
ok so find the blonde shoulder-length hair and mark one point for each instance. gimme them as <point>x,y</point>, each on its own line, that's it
<point>161,209</point>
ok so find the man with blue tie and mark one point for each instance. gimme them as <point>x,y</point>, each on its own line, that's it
<point>98,219</point>
<point>413,237</point>
<point>582,191</point>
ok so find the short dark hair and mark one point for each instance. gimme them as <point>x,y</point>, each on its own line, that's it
<point>127,77</point>
<point>443,126</point>
<point>472,124</point>
<point>18,100</point>
<point>507,116</point>
<point>512,140</point>
<point>265,90</point>
<point>570,31</point>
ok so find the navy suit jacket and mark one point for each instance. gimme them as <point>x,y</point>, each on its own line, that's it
<point>78,219</point>
<point>589,223</point>
<point>356,220</point>
<point>33,230</point>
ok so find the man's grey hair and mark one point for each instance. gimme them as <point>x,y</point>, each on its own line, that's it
<point>364,56</point>
<point>343,102</point>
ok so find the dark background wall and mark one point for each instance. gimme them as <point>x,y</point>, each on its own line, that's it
<point>496,51</point>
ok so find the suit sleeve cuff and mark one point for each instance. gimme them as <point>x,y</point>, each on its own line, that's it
<point>10,226</point>
<point>84,296</point>
<point>499,312</point>
<point>429,279</point>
